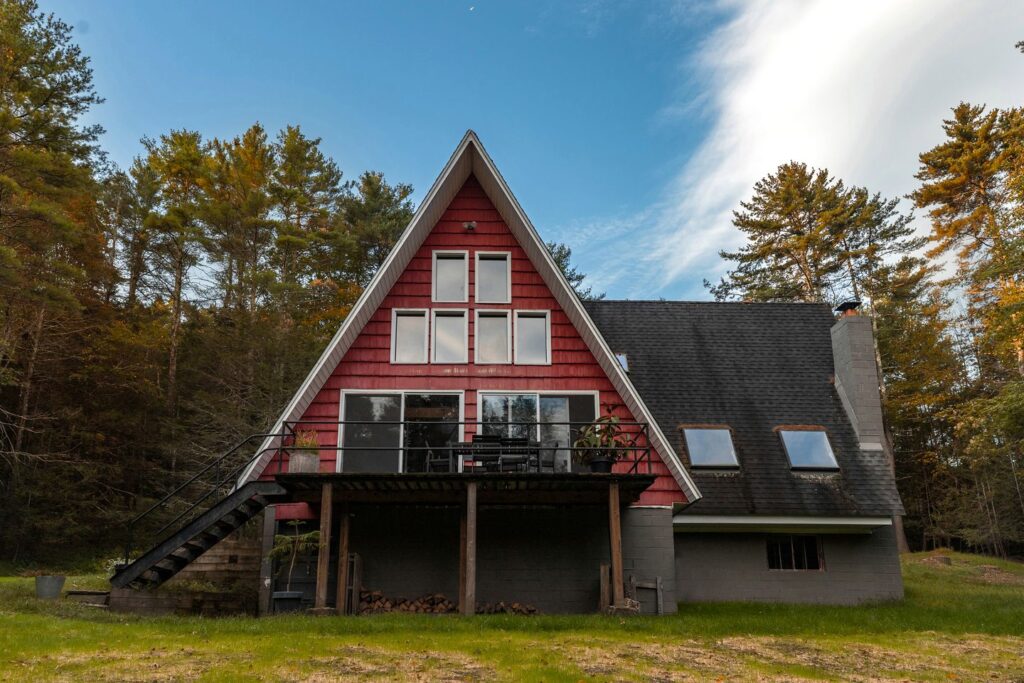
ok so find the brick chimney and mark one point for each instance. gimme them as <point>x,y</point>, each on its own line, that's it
<point>857,381</point>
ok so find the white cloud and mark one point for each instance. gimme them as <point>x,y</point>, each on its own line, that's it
<point>858,87</point>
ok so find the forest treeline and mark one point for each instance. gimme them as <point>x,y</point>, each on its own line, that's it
<point>947,307</point>
<point>151,317</point>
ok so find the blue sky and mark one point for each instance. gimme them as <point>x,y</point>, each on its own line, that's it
<point>628,130</point>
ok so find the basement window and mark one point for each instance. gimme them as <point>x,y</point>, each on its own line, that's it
<point>710,447</point>
<point>493,277</point>
<point>409,336</point>
<point>795,553</point>
<point>533,338</point>
<point>808,449</point>
<point>450,336</point>
<point>451,276</point>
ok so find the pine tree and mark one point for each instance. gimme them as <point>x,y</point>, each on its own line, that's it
<point>562,256</point>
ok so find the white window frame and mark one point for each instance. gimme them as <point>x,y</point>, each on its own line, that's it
<point>508,276</point>
<point>450,312</point>
<point>395,312</point>
<point>401,416</point>
<point>465,275</point>
<point>492,312</point>
<point>547,332</point>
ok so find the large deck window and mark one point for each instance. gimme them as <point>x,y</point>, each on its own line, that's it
<point>397,432</point>
<point>539,417</point>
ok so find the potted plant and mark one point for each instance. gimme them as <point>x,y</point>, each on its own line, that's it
<point>48,586</point>
<point>304,454</point>
<point>288,547</point>
<point>601,444</point>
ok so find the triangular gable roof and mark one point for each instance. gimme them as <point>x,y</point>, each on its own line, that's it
<point>470,157</point>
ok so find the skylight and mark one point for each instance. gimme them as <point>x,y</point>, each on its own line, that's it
<point>808,449</point>
<point>710,447</point>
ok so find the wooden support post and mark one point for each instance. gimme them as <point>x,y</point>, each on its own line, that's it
<point>615,541</point>
<point>468,604</point>
<point>462,555</point>
<point>323,557</point>
<point>341,598</point>
<point>266,563</point>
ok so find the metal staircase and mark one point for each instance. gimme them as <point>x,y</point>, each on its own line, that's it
<point>196,528</point>
<point>178,550</point>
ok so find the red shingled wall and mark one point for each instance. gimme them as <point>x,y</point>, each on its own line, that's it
<point>367,365</point>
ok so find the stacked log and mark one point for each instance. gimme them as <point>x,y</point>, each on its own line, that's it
<point>375,602</point>
<point>503,607</point>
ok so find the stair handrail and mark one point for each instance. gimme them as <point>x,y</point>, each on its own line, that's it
<point>214,487</point>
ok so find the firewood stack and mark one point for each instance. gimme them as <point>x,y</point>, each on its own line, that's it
<point>375,602</point>
<point>505,608</point>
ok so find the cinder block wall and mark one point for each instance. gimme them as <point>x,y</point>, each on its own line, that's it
<point>545,557</point>
<point>728,567</point>
<point>648,552</point>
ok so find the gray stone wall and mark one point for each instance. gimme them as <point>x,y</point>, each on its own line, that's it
<point>853,350</point>
<point>734,566</point>
<point>546,557</point>
<point>648,552</point>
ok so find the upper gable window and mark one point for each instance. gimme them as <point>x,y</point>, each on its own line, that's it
<point>493,277</point>
<point>808,449</point>
<point>710,447</point>
<point>409,336</point>
<point>533,338</point>
<point>451,275</point>
<point>450,336</point>
<point>493,337</point>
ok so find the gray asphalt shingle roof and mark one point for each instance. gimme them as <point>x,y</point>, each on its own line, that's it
<point>752,367</point>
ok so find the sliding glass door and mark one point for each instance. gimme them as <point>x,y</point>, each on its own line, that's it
<point>431,426</point>
<point>371,433</point>
<point>400,432</point>
<point>539,417</point>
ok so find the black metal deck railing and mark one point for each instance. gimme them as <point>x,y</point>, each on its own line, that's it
<point>412,446</point>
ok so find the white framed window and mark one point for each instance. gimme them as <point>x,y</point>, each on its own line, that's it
<point>710,447</point>
<point>409,335</point>
<point>532,337</point>
<point>808,448</point>
<point>492,337</point>
<point>451,336</point>
<point>493,277</point>
<point>450,276</point>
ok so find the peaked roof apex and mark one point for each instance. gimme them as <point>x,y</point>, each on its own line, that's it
<point>470,158</point>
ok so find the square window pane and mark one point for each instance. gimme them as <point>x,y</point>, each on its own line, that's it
<point>509,415</point>
<point>367,444</point>
<point>450,338</point>
<point>492,279</point>
<point>710,447</point>
<point>410,338</point>
<point>531,339</point>
<point>492,338</point>
<point>450,278</point>
<point>809,449</point>
<point>431,427</point>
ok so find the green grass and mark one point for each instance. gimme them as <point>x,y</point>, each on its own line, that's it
<point>963,621</point>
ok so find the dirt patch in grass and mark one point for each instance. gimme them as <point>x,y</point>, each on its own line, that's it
<point>372,664</point>
<point>148,665</point>
<point>778,659</point>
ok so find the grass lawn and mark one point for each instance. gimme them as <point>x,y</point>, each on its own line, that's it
<point>963,621</point>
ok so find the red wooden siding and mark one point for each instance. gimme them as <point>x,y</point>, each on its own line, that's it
<point>367,364</point>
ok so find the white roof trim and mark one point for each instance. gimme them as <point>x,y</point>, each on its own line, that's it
<point>769,522</point>
<point>470,157</point>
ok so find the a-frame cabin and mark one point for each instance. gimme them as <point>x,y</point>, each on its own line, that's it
<point>474,430</point>
<point>455,414</point>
